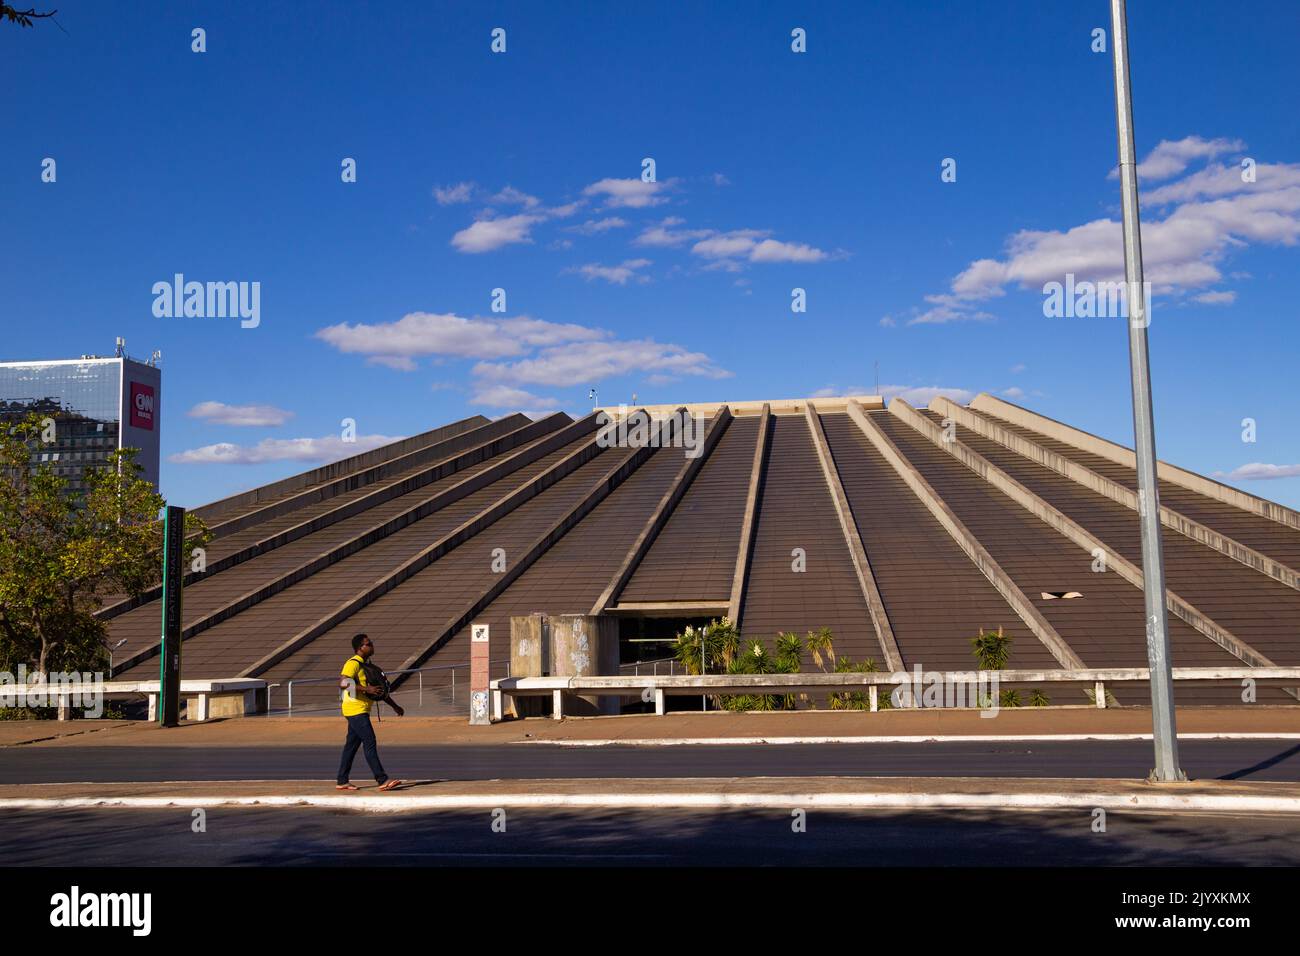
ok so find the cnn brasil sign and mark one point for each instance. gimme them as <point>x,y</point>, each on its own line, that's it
<point>141,406</point>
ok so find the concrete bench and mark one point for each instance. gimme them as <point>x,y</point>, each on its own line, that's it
<point>205,699</point>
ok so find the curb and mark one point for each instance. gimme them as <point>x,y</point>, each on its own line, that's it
<point>701,801</point>
<point>889,739</point>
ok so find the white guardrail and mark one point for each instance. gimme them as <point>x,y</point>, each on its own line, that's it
<point>657,688</point>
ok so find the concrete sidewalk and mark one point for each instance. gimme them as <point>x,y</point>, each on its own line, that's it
<point>778,793</point>
<point>712,727</point>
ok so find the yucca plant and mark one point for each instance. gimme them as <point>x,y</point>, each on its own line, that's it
<point>856,699</point>
<point>1009,698</point>
<point>821,645</point>
<point>707,649</point>
<point>992,649</point>
<point>1038,699</point>
<point>755,660</point>
<point>789,652</point>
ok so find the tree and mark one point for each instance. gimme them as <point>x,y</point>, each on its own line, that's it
<point>24,18</point>
<point>62,552</point>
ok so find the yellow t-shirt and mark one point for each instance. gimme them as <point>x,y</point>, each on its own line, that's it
<point>354,703</point>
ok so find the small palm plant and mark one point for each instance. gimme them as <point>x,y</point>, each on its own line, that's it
<point>992,649</point>
<point>856,700</point>
<point>789,660</point>
<point>1038,699</point>
<point>821,645</point>
<point>1009,698</point>
<point>711,648</point>
<point>755,660</point>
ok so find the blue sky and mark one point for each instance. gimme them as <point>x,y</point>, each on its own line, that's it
<point>774,170</point>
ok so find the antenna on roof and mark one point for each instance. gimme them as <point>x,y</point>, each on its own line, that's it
<point>591,394</point>
<point>121,346</point>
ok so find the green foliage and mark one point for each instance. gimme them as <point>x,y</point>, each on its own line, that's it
<point>757,660</point>
<point>1038,699</point>
<point>789,652</point>
<point>1009,698</point>
<point>63,553</point>
<point>992,649</point>
<point>716,645</point>
<point>861,699</point>
<point>821,645</point>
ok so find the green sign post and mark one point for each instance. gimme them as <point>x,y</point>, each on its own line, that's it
<point>169,696</point>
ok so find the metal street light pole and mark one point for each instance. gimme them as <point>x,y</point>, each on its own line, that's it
<point>1153,565</point>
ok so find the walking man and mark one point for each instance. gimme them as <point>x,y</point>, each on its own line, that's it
<point>360,691</point>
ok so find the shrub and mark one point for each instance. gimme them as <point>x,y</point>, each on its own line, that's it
<point>992,649</point>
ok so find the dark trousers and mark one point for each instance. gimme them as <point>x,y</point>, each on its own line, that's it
<point>360,733</point>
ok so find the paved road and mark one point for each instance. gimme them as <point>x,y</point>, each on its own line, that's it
<point>1202,759</point>
<point>301,836</point>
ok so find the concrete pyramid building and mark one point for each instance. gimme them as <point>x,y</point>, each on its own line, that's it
<point>904,531</point>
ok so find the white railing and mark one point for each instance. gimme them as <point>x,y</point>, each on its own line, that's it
<point>419,673</point>
<point>659,687</point>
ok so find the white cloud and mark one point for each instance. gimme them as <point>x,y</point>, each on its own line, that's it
<point>593,227</point>
<point>513,197</point>
<point>565,211</point>
<point>1171,157</point>
<point>772,250</point>
<point>452,195</point>
<point>1015,391</point>
<point>1211,213</point>
<point>329,448</point>
<point>1018,368</point>
<point>665,235</point>
<point>943,314</point>
<point>887,322</point>
<point>489,234</point>
<point>1259,471</point>
<point>1218,180</point>
<point>219,413</point>
<point>1216,298</point>
<point>921,395</point>
<point>400,363</point>
<point>617,275</point>
<point>835,391</point>
<point>594,361</point>
<point>422,333</point>
<point>736,243</point>
<point>516,399</point>
<point>628,193</point>
<point>727,249</point>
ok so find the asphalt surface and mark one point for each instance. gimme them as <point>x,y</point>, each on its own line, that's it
<point>302,837</point>
<point>1256,760</point>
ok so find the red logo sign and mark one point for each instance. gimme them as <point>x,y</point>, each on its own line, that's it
<point>142,406</point>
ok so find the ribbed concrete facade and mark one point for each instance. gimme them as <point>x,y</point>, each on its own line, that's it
<point>905,531</point>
